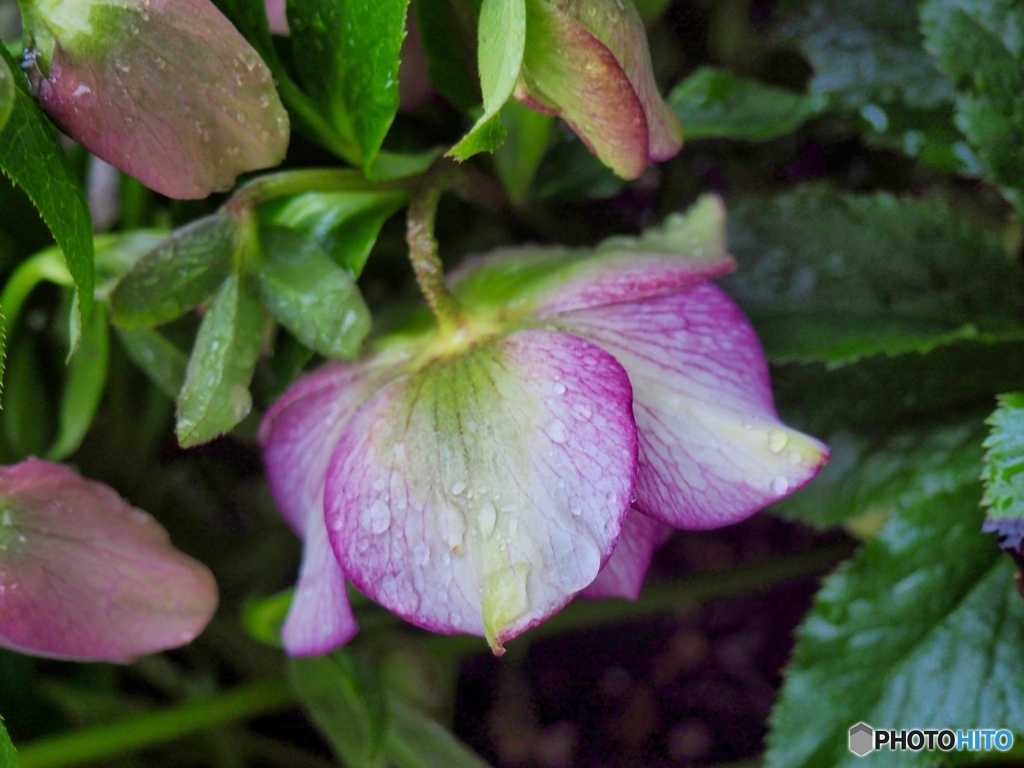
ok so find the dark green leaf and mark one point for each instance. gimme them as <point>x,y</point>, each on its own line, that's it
<point>347,703</point>
<point>715,103</point>
<point>417,741</point>
<point>835,277</point>
<point>528,133</point>
<point>35,161</point>
<point>27,415</point>
<point>7,90</point>
<point>923,629</point>
<point>215,396</point>
<point>158,358</point>
<point>345,224</point>
<point>448,29</point>
<point>501,40</point>
<point>310,295</point>
<point>348,61</point>
<point>177,275</point>
<point>84,385</point>
<point>978,45</point>
<point>8,758</point>
<point>867,476</point>
<point>1004,483</point>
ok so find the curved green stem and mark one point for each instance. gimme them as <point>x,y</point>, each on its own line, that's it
<point>151,728</point>
<point>426,263</point>
<point>287,183</point>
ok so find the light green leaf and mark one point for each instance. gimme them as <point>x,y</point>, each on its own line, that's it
<point>978,46</point>
<point>528,133</point>
<point>1004,483</point>
<point>923,629</point>
<point>8,758</point>
<point>833,277</point>
<point>310,295</point>
<point>83,387</point>
<point>177,275</point>
<point>34,160</point>
<point>347,703</point>
<point>715,103</point>
<point>263,617</point>
<point>215,396</point>
<point>348,61</point>
<point>7,91</point>
<point>157,357</point>
<point>501,41</point>
<point>345,224</point>
<point>414,740</point>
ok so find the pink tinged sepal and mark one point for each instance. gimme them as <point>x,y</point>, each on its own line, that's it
<point>588,62</point>
<point>481,493</point>
<point>86,576</point>
<point>712,449</point>
<point>297,435</point>
<point>166,90</point>
<point>623,574</point>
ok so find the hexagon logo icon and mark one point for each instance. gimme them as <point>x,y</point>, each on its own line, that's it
<point>862,739</point>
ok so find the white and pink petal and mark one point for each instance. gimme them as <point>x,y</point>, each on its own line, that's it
<point>623,575</point>
<point>481,493</point>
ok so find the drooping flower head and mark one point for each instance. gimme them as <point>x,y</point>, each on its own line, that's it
<point>86,576</point>
<point>475,480</point>
<point>587,61</point>
<point>166,90</point>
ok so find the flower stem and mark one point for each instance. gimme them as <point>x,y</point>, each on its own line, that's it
<point>287,183</point>
<point>151,728</point>
<point>426,263</point>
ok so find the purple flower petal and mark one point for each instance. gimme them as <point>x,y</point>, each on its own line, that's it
<point>86,576</point>
<point>168,91</point>
<point>297,434</point>
<point>712,450</point>
<point>623,574</point>
<point>481,493</point>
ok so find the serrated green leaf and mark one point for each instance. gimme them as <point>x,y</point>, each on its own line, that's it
<point>34,160</point>
<point>309,294</point>
<point>1004,483</point>
<point>345,224</point>
<point>348,62</point>
<point>6,92</point>
<point>501,41</point>
<point>715,103</point>
<point>157,357</point>
<point>923,629</point>
<point>347,703</point>
<point>414,740</point>
<point>832,277</point>
<point>869,60</point>
<point>448,29</point>
<point>868,476</point>
<point>215,396</point>
<point>83,387</point>
<point>978,46</point>
<point>8,757</point>
<point>177,275</point>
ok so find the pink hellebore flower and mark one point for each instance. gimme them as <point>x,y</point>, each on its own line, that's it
<point>86,576</point>
<point>166,90</point>
<point>587,61</point>
<point>475,481</point>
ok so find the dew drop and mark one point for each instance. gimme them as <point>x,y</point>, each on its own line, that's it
<point>362,545</point>
<point>582,411</point>
<point>777,440</point>
<point>555,429</point>
<point>780,485</point>
<point>421,554</point>
<point>559,388</point>
<point>377,518</point>
<point>513,527</point>
<point>486,518</point>
<point>794,457</point>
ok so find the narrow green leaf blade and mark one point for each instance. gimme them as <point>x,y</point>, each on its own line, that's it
<point>449,29</point>
<point>923,629</point>
<point>834,278</point>
<point>349,65</point>
<point>83,388</point>
<point>177,275</point>
<point>310,295</point>
<point>157,357</point>
<point>1004,482</point>
<point>501,41</point>
<point>215,396</point>
<point>8,758</point>
<point>347,703</point>
<point>717,104</point>
<point>417,741</point>
<point>528,133</point>
<point>34,160</point>
<point>7,90</point>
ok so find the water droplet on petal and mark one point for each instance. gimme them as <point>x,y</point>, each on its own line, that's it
<point>556,431</point>
<point>377,517</point>
<point>458,487</point>
<point>421,554</point>
<point>582,411</point>
<point>777,440</point>
<point>559,388</point>
<point>780,485</point>
<point>486,518</point>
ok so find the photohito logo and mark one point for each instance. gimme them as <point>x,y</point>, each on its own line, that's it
<point>864,739</point>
